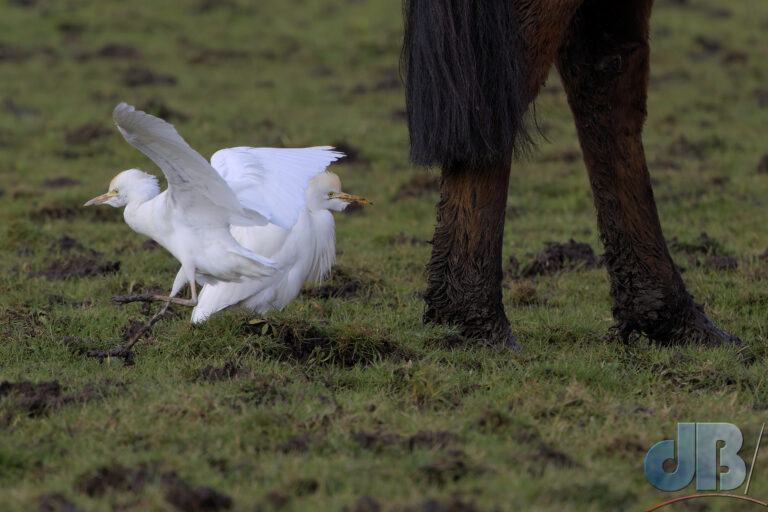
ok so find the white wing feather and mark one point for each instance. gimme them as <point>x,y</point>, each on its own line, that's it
<point>272,181</point>
<point>190,177</point>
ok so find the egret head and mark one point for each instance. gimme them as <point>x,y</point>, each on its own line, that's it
<point>324,193</point>
<point>130,185</point>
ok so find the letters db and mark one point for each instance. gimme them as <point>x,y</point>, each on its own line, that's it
<point>697,453</point>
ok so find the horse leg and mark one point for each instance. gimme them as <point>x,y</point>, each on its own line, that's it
<point>604,65</point>
<point>464,272</point>
<point>465,103</point>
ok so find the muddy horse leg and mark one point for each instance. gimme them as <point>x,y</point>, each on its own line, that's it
<point>472,70</point>
<point>604,65</point>
<point>464,272</point>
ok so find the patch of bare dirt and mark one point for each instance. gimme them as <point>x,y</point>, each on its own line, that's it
<point>354,209</point>
<point>112,478</point>
<point>215,55</point>
<point>303,342</point>
<point>19,110</point>
<point>111,51</point>
<point>61,182</point>
<point>227,372</point>
<point>352,153</point>
<point>37,398</point>
<point>714,254</point>
<point>705,47</point>
<point>452,504</point>
<point>136,76</point>
<point>363,504</point>
<point>341,284</point>
<point>449,341</point>
<point>56,502</point>
<point>57,210</point>
<point>84,262</point>
<point>556,257</point>
<point>547,455</point>
<point>522,293</point>
<point>761,95</point>
<point>721,263</point>
<point>403,239</point>
<point>159,108</point>
<point>86,133</point>
<point>762,166</point>
<point>297,444</point>
<point>149,245</point>
<point>451,468</point>
<point>77,266</point>
<point>624,447</point>
<point>421,185</point>
<point>193,499</point>
<point>276,499</point>
<point>695,149</point>
<point>264,389</point>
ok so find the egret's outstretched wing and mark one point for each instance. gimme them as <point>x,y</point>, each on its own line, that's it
<point>273,181</point>
<point>189,175</point>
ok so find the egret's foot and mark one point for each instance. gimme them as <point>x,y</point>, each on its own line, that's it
<point>150,297</point>
<point>124,351</point>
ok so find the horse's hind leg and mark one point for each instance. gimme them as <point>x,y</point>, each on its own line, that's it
<point>464,272</point>
<point>604,65</point>
<point>466,98</point>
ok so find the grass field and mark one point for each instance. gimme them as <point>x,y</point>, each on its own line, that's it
<point>345,400</point>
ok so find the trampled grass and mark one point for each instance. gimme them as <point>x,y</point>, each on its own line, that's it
<point>346,400</point>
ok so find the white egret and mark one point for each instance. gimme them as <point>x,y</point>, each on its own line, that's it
<point>192,218</point>
<point>304,253</point>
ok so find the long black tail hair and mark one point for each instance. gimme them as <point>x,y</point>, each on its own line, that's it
<point>465,87</point>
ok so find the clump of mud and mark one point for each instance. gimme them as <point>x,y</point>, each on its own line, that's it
<point>157,107</point>
<point>353,156</point>
<point>193,499</point>
<point>56,502</point>
<point>35,399</point>
<point>547,455</point>
<point>556,257</point>
<point>136,76</point>
<point>227,372</point>
<point>424,439</point>
<point>403,239</point>
<point>76,261</point>
<point>451,468</point>
<point>303,343</point>
<point>60,182</point>
<point>421,185</point>
<point>112,478</point>
<point>716,257</point>
<point>343,283</point>
<point>762,166</point>
<point>85,133</point>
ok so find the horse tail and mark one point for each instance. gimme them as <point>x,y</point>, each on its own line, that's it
<point>465,89</point>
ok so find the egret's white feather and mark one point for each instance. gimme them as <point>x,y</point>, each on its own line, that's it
<point>272,181</point>
<point>192,181</point>
<point>304,254</point>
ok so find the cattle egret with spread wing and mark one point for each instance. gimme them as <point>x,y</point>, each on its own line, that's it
<point>241,187</point>
<point>305,253</point>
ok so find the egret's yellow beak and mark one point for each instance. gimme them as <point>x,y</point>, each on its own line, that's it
<point>349,198</point>
<point>103,198</point>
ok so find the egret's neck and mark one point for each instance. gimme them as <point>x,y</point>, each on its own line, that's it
<point>141,192</point>
<point>324,249</point>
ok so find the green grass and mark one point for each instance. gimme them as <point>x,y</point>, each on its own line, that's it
<point>562,426</point>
